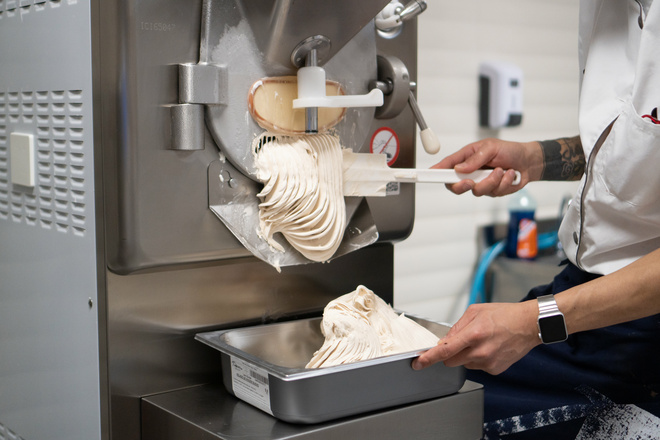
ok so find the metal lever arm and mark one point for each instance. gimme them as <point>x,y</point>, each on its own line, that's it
<point>429,139</point>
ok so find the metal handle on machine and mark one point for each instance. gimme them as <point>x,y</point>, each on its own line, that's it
<point>394,82</point>
<point>429,139</point>
<point>395,14</point>
<point>413,9</point>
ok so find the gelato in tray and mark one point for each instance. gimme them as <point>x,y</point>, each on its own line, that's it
<point>360,326</point>
<point>265,367</point>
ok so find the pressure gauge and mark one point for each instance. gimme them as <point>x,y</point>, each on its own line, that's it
<point>385,141</point>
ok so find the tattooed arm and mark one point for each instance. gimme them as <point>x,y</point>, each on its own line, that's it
<point>563,159</point>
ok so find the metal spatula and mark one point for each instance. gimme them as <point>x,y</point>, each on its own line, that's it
<point>367,175</point>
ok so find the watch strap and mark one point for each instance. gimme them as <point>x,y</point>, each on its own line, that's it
<point>547,304</point>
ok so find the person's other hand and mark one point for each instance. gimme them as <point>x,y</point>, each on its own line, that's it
<point>489,337</point>
<point>503,157</point>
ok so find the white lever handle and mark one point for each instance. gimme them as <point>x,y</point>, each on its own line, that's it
<point>311,92</point>
<point>430,141</point>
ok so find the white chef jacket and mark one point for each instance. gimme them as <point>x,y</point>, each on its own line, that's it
<point>614,218</point>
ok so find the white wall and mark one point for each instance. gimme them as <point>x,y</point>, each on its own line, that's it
<point>433,267</point>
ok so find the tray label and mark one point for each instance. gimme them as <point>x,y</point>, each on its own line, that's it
<point>250,384</point>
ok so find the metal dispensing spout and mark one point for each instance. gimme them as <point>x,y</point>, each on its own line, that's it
<point>311,84</point>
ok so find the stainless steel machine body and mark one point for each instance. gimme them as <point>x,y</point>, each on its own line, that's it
<point>110,258</point>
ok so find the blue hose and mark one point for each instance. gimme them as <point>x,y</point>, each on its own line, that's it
<point>478,289</point>
<point>547,240</point>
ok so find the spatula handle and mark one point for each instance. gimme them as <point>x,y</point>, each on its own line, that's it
<point>442,176</point>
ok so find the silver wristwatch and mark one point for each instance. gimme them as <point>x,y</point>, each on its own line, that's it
<point>552,327</point>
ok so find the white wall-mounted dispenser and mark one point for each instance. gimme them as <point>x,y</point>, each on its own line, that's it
<point>500,94</point>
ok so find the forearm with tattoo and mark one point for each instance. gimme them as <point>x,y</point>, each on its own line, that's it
<point>563,159</point>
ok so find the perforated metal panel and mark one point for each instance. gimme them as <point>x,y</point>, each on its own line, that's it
<point>58,200</point>
<point>14,8</point>
<point>7,434</point>
<point>49,318</point>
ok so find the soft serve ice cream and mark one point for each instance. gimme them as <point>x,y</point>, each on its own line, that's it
<point>360,325</point>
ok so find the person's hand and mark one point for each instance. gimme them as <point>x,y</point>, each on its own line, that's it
<point>504,157</point>
<point>489,337</point>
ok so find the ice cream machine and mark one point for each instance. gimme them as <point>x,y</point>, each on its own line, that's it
<point>127,196</point>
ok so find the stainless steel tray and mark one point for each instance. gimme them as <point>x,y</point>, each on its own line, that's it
<point>265,366</point>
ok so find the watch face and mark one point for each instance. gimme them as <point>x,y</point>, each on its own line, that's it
<point>553,328</point>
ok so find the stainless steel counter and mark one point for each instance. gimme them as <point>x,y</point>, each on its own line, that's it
<point>209,412</point>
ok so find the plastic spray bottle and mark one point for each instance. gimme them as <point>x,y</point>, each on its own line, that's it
<point>522,237</point>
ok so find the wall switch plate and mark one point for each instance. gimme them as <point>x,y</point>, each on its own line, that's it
<point>21,154</point>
